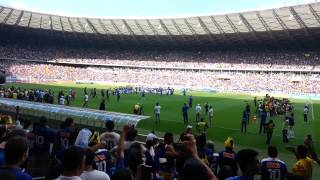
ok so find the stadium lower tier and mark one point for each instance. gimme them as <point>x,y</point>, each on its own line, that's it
<point>219,81</point>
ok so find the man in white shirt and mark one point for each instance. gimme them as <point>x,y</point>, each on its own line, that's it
<point>61,100</point>
<point>73,162</point>
<point>305,114</point>
<point>210,115</point>
<point>198,113</point>
<point>156,109</point>
<point>89,172</point>
<point>86,99</point>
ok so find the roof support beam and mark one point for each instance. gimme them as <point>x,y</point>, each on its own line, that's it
<point>284,26</point>
<point>50,21</point>
<point>71,25</point>
<point>29,22</point>
<point>83,29</point>
<point>301,23</point>
<point>92,26</point>
<point>40,22</point>
<point>155,32</point>
<point>19,18</point>
<point>117,29</point>
<point>177,27</point>
<point>105,30</point>
<point>248,25</point>
<point>222,33</point>
<point>166,29</point>
<point>314,13</point>
<point>265,25</point>
<point>7,17</point>
<point>195,34</point>
<point>206,29</point>
<point>234,28</point>
<point>143,32</point>
<point>179,30</point>
<point>61,24</point>
<point>130,31</point>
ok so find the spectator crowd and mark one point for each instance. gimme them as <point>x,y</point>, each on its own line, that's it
<point>33,149</point>
<point>234,59</point>
<point>225,81</point>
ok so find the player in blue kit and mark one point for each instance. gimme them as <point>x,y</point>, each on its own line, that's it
<point>272,168</point>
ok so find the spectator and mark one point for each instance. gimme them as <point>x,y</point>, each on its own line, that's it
<point>198,112</point>
<point>228,156</point>
<point>110,137</point>
<point>248,163</point>
<point>73,162</point>
<point>272,168</point>
<point>89,172</point>
<point>102,106</point>
<point>269,128</point>
<point>308,142</point>
<point>66,136</point>
<point>16,153</point>
<point>303,166</point>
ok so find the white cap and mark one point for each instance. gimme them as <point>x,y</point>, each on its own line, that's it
<point>151,137</point>
<point>189,127</point>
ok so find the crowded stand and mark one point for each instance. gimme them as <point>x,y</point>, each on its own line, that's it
<point>76,153</point>
<point>241,59</point>
<point>220,81</point>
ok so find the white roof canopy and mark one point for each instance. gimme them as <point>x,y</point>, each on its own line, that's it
<point>82,116</point>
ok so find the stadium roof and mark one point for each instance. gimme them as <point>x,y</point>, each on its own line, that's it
<point>289,25</point>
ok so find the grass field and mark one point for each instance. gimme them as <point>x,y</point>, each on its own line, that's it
<point>227,115</point>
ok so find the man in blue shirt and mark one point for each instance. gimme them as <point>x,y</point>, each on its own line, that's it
<point>66,136</point>
<point>185,109</point>
<point>44,139</point>
<point>190,101</point>
<point>271,167</point>
<point>44,136</point>
<point>263,118</point>
<point>16,153</point>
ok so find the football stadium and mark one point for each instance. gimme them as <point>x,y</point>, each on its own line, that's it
<point>222,96</point>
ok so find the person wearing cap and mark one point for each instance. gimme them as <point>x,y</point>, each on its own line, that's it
<point>198,112</point>
<point>151,136</point>
<point>228,156</point>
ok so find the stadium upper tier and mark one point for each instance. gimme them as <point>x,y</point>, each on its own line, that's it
<point>289,25</point>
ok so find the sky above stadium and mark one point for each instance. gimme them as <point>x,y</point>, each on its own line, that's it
<point>145,8</point>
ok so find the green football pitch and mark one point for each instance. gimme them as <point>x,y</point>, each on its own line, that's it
<point>227,115</point>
